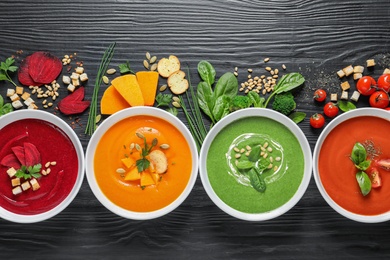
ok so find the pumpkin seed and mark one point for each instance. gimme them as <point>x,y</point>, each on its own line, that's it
<point>154,67</point>
<point>164,146</point>
<point>163,87</point>
<point>146,64</point>
<point>176,104</point>
<point>176,99</point>
<point>153,59</point>
<point>138,147</point>
<point>111,71</point>
<point>147,55</point>
<point>120,170</point>
<point>98,118</point>
<point>105,79</point>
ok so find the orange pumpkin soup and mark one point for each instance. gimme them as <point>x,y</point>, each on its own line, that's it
<point>121,141</point>
<point>337,171</point>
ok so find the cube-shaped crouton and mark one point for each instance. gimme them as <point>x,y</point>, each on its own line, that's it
<point>17,190</point>
<point>345,85</point>
<point>14,97</point>
<point>340,73</point>
<point>32,106</point>
<point>29,101</point>
<point>76,82</point>
<point>386,71</point>
<point>10,92</point>
<point>17,104</point>
<point>19,90</point>
<point>26,185</point>
<point>79,70</point>
<point>11,172</point>
<point>348,70</point>
<point>35,185</point>
<point>15,182</point>
<point>355,96</point>
<point>66,80</point>
<point>25,95</point>
<point>333,97</point>
<point>344,95</point>
<point>358,69</point>
<point>357,76</point>
<point>71,88</point>
<point>83,77</point>
<point>75,75</point>
<point>370,63</point>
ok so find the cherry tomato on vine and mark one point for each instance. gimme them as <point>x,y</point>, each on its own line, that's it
<point>384,82</point>
<point>379,99</point>
<point>366,85</point>
<point>317,120</point>
<point>331,109</point>
<point>319,95</point>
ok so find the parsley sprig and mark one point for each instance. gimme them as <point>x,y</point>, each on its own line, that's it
<point>143,163</point>
<point>125,68</point>
<point>27,172</point>
<point>6,67</point>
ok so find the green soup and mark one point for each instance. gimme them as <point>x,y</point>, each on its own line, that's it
<point>230,154</point>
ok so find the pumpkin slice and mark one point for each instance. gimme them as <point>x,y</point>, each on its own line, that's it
<point>133,175</point>
<point>148,82</point>
<point>128,87</point>
<point>146,179</point>
<point>112,101</point>
<point>128,162</point>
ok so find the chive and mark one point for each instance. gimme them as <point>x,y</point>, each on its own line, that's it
<point>106,59</point>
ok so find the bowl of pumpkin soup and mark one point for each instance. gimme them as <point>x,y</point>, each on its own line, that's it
<point>255,164</point>
<point>351,165</point>
<point>141,163</point>
<point>41,166</point>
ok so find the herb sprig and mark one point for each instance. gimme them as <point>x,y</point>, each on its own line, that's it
<point>28,172</point>
<point>143,163</point>
<point>124,68</point>
<point>5,67</point>
<point>5,108</point>
<point>359,158</point>
<point>106,59</point>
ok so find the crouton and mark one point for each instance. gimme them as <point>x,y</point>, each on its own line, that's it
<point>177,82</point>
<point>159,160</point>
<point>167,66</point>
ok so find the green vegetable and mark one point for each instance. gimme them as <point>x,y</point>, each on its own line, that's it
<point>284,103</point>
<point>125,68</point>
<point>346,106</point>
<point>29,172</point>
<point>143,163</point>
<point>163,99</point>
<point>215,103</point>
<point>5,68</point>
<point>106,59</point>
<point>256,100</point>
<point>5,108</point>
<point>245,165</point>
<point>297,117</point>
<point>172,110</point>
<point>239,102</point>
<point>359,153</point>
<point>254,154</point>
<point>257,180</point>
<point>364,182</point>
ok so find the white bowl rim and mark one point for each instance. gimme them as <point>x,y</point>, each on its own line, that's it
<point>256,112</point>
<point>366,111</point>
<point>60,123</point>
<point>119,116</point>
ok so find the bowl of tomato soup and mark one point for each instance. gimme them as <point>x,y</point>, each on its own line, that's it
<point>141,163</point>
<point>351,164</point>
<point>255,164</point>
<point>41,165</point>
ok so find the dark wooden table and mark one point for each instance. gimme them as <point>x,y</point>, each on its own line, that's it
<point>315,38</point>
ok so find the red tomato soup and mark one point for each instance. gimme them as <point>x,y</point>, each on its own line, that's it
<point>337,171</point>
<point>53,146</point>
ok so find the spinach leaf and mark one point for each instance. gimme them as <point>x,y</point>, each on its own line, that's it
<point>255,99</point>
<point>221,107</point>
<point>256,180</point>
<point>206,99</point>
<point>1,101</point>
<point>289,82</point>
<point>346,106</point>
<point>207,72</point>
<point>227,85</point>
<point>364,182</point>
<point>254,154</point>
<point>358,154</point>
<point>245,165</point>
<point>297,117</point>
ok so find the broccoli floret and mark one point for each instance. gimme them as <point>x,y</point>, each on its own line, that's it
<point>239,102</point>
<point>284,103</point>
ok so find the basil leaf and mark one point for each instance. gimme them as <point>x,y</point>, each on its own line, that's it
<point>297,117</point>
<point>363,165</point>
<point>346,106</point>
<point>206,99</point>
<point>221,107</point>
<point>289,82</point>
<point>364,182</point>
<point>245,165</point>
<point>255,99</point>
<point>227,85</point>
<point>359,153</point>
<point>206,72</point>
<point>254,154</point>
<point>256,180</point>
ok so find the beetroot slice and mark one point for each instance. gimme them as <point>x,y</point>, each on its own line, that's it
<point>44,67</point>
<point>77,95</point>
<point>31,154</point>
<point>23,74</point>
<point>73,107</point>
<point>19,153</point>
<point>10,160</point>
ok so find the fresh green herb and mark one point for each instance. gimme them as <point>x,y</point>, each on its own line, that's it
<point>245,165</point>
<point>106,59</point>
<point>143,163</point>
<point>297,117</point>
<point>5,108</point>
<point>359,158</point>
<point>215,103</point>
<point>364,182</point>
<point>346,106</point>
<point>173,111</point>
<point>254,154</point>
<point>359,153</point>
<point>6,67</point>
<point>124,68</point>
<point>256,179</point>
<point>28,172</point>
<point>163,99</point>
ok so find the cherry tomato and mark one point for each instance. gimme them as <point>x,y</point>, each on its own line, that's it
<point>379,99</point>
<point>375,178</point>
<point>331,109</point>
<point>317,120</point>
<point>319,95</point>
<point>384,82</point>
<point>366,85</point>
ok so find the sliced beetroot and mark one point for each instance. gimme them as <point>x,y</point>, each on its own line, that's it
<point>44,67</point>
<point>10,160</point>
<point>73,107</point>
<point>77,95</point>
<point>19,153</point>
<point>31,154</point>
<point>23,74</point>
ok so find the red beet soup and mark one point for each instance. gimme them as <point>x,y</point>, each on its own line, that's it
<point>57,158</point>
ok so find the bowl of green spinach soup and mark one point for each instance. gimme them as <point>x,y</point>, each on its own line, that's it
<point>255,164</point>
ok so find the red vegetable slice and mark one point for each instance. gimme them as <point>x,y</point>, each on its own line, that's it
<point>19,153</point>
<point>77,95</point>
<point>31,154</point>
<point>73,107</point>
<point>44,67</point>
<point>23,74</point>
<point>10,160</point>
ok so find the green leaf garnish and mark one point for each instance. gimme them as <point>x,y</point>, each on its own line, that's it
<point>6,67</point>
<point>125,68</point>
<point>29,172</point>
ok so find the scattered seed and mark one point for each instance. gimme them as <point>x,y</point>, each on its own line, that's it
<point>265,155</point>
<point>270,166</point>
<point>242,150</point>
<point>176,104</point>
<point>105,79</point>
<point>265,145</point>
<point>276,168</point>
<point>137,147</point>
<point>177,99</point>
<point>53,163</point>
<point>268,68</point>
<point>154,67</point>
<point>164,146</point>
<point>153,59</point>
<point>269,149</point>
<point>250,70</point>
<point>111,71</point>
<point>132,146</point>
<point>248,148</point>
<point>236,149</point>
<point>284,66</point>
<point>235,73</point>
<point>247,153</point>
<point>120,170</point>
<point>98,118</point>
<point>147,55</point>
<point>146,64</point>
<point>47,164</point>
<point>266,60</point>
<point>278,159</point>
<point>238,155</point>
<point>48,170</point>
<point>43,172</point>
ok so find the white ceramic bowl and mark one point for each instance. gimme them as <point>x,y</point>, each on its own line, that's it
<point>55,120</point>
<point>105,126</point>
<point>360,112</point>
<point>256,112</point>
